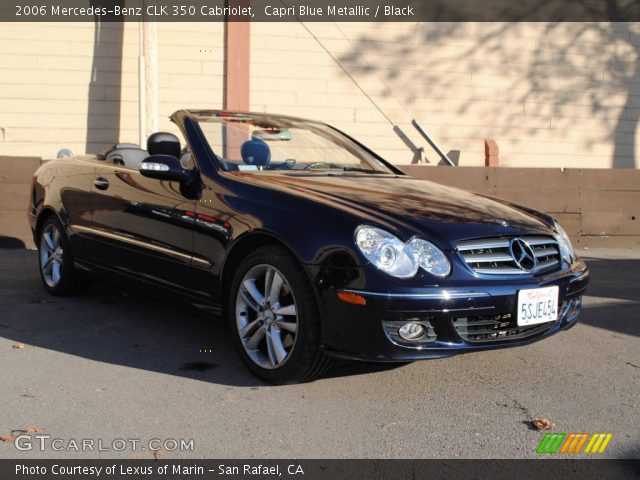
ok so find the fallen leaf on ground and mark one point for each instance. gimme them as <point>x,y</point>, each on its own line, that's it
<point>542,424</point>
<point>6,439</point>
<point>26,430</point>
<point>18,346</point>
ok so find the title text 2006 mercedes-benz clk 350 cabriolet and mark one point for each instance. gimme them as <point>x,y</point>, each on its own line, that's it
<point>308,243</point>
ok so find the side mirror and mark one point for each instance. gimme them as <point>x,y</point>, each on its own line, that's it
<point>164,167</point>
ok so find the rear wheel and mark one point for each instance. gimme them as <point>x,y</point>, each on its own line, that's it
<point>274,318</point>
<point>56,263</point>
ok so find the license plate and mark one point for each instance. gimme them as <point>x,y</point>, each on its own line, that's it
<point>537,305</point>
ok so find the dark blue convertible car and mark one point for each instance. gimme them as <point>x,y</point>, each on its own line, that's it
<point>309,244</point>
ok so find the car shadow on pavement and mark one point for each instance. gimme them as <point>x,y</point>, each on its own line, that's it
<point>613,297</point>
<point>111,325</point>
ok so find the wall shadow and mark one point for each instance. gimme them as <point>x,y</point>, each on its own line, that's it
<point>558,80</point>
<point>11,242</point>
<point>616,307</point>
<point>105,87</point>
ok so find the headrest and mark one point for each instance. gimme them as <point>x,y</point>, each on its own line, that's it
<point>255,152</point>
<point>163,143</point>
<point>107,151</point>
<point>129,157</point>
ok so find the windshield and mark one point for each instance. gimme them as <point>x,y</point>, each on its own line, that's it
<point>253,142</point>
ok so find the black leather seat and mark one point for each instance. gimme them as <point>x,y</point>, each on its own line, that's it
<point>131,155</point>
<point>127,154</point>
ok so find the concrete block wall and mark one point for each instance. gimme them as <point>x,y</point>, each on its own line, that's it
<point>15,182</point>
<point>598,208</point>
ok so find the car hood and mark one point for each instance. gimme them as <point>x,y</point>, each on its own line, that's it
<point>442,212</point>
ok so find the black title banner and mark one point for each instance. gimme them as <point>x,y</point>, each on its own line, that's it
<point>319,469</point>
<point>319,10</point>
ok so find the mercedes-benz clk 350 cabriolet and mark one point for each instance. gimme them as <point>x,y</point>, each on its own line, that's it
<point>307,243</point>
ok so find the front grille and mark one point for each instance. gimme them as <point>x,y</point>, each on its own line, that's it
<point>493,255</point>
<point>494,327</point>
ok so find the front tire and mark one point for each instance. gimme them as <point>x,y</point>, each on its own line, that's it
<point>274,318</point>
<point>55,260</point>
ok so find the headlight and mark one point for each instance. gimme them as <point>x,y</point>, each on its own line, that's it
<point>430,257</point>
<point>391,255</point>
<point>386,251</point>
<point>566,249</point>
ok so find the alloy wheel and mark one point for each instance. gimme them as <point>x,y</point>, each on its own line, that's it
<point>51,255</point>
<point>266,316</point>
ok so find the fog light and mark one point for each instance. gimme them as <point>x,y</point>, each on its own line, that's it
<point>411,331</point>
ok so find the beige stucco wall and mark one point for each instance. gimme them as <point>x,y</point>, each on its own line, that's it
<point>60,88</point>
<point>551,95</point>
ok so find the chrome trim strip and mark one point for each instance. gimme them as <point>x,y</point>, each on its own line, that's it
<point>501,271</point>
<point>487,257</point>
<point>140,243</point>
<point>482,244</point>
<point>546,264</point>
<point>539,240</point>
<point>546,252</point>
<point>516,271</point>
<point>202,261</point>
<point>444,295</point>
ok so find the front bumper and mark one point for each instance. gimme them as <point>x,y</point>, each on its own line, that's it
<point>453,315</point>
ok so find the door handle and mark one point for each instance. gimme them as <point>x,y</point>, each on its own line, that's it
<point>101,183</point>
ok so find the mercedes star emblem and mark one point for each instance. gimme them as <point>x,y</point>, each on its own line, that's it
<point>522,254</point>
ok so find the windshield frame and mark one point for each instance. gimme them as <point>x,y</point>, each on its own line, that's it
<point>377,164</point>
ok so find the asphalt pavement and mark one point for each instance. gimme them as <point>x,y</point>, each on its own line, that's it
<point>110,364</point>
